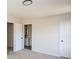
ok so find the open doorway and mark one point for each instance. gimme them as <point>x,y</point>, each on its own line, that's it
<point>28,36</point>
<point>9,37</point>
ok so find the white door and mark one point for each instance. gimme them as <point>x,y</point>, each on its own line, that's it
<point>65,40</point>
<point>18,37</point>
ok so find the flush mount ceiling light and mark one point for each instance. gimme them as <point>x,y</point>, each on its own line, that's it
<point>27,2</point>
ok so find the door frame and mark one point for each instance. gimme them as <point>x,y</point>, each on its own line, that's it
<point>24,34</point>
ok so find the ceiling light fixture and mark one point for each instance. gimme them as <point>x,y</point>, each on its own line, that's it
<point>27,2</point>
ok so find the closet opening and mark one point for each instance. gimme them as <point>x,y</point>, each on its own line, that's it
<point>28,36</point>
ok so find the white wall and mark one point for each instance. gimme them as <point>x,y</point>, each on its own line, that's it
<point>46,34</point>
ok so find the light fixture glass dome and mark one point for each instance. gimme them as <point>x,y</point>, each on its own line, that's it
<point>27,2</point>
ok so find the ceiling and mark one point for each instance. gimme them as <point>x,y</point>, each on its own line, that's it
<point>39,8</point>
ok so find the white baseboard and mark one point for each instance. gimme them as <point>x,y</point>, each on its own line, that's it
<point>51,54</point>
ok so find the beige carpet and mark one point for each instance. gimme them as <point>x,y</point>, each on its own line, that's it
<point>27,54</point>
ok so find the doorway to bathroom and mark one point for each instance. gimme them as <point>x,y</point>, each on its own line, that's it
<point>28,36</point>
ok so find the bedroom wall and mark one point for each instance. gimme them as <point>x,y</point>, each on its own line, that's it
<point>46,33</point>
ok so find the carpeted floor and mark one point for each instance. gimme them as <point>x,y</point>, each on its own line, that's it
<point>27,54</point>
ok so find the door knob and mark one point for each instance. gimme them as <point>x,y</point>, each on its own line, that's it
<point>62,41</point>
<point>21,37</point>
